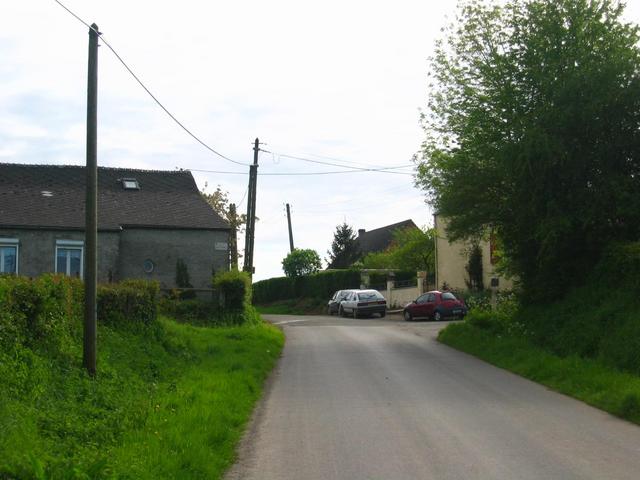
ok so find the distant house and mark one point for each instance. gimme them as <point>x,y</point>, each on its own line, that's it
<point>452,259</point>
<point>147,220</point>
<point>380,239</point>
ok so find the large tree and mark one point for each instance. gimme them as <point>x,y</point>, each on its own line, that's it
<point>344,248</point>
<point>533,130</point>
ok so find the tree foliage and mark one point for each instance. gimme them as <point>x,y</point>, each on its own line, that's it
<point>344,248</point>
<point>411,249</point>
<point>532,129</point>
<point>219,201</point>
<point>301,262</point>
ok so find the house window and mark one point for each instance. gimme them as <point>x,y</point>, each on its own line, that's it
<point>9,255</point>
<point>69,256</point>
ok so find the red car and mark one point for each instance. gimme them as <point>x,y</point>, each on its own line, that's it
<point>435,305</point>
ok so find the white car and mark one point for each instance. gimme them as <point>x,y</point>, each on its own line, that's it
<point>363,302</point>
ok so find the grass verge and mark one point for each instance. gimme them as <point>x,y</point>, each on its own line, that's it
<point>169,402</point>
<point>588,380</point>
<point>298,306</point>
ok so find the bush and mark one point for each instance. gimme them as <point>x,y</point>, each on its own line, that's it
<point>235,288</point>
<point>45,311</point>
<point>131,302</point>
<point>318,285</point>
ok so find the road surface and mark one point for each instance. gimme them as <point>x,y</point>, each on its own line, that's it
<point>382,399</point>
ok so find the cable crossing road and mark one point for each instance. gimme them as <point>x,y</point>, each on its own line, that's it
<point>382,399</point>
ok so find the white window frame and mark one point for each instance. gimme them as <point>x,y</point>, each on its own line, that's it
<point>10,242</point>
<point>69,245</point>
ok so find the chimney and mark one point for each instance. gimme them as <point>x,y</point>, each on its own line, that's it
<point>361,232</point>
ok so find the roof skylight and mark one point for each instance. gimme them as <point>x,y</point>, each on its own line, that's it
<point>130,184</point>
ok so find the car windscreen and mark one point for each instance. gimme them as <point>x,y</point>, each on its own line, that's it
<point>369,296</point>
<point>448,296</point>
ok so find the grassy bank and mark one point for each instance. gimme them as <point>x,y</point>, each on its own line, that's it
<point>591,381</point>
<point>170,401</point>
<point>585,343</point>
<point>299,306</point>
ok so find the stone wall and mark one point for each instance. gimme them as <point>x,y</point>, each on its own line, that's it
<point>197,248</point>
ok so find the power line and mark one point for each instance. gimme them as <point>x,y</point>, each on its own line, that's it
<point>344,166</point>
<point>284,174</point>
<point>243,196</point>
<point>178,122</point>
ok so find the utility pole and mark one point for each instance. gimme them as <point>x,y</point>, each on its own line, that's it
<point>233,239</point>
<point>251,211</point>
<point>290,231</point>
<point>91,209</point>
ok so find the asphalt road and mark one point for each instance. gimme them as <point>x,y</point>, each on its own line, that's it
<point>382,399</point>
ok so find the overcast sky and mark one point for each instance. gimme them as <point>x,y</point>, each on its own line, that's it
<point>335,81</point>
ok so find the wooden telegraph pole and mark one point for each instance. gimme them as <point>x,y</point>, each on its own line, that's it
<point>290,231</point>
<point>91,209</point>
<point>233,239</point>
<point>251,211</point>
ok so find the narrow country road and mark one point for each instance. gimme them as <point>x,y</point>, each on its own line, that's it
<point>382,399</point>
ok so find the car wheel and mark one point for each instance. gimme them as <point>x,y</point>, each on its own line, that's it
<point>340,311</point>
<point>437,316</point>
<point>407,316</point>
<point>355,313</point>
<point>382,314</point>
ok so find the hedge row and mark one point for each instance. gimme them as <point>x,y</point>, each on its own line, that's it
<point>131,302</point>
<point>49,310</point>
<point>319,285</point>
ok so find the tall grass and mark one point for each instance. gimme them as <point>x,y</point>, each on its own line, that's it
<point>170,401</point>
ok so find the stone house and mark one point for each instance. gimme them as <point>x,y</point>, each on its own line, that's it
<point>147,220</point>
<point>452,259</point>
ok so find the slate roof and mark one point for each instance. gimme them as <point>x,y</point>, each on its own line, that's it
<point>53,196</point>
<point>379,239</point>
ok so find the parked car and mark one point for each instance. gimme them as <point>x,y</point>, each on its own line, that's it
<point>435,305</point>
<point>334,303</point>
<point>363,302</point>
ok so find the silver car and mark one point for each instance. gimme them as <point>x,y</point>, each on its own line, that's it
<point>363,302</point>
<point>334,304</point>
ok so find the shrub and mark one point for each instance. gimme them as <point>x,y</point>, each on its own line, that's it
<point>131,302</point>
<point>183,280</point>
<point>44,311</point>
<point>235,288</point>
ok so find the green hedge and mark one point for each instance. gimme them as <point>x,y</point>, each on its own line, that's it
<point>235,289</point>
<point>131,302</point>
<point>45,310</point>
<point>318,285</point>
<point>49,309</point>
